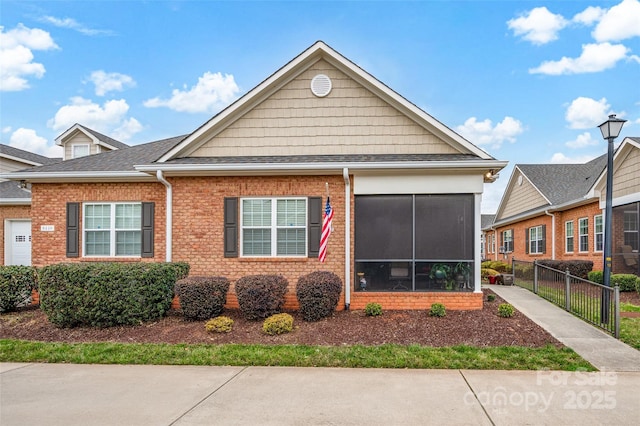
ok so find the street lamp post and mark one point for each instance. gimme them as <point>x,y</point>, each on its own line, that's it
<point>610,130</point>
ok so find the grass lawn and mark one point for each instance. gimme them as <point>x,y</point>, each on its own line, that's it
<point>384,356</point>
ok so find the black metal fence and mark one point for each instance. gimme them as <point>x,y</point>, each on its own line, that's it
<point>594,303</point>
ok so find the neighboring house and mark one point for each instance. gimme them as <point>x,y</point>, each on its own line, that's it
<point>15,206</point>
<point>486,221</point>
<point>556,211</point>
<point>79,141</point>
<point>244,193</point>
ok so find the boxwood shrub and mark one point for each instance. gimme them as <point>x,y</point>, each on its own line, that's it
<point>578,268</point>
<point>202,298</point>
<point>278,324</point>
<point>596,277</point>
<point>16,284</point>
<point>261,296</point>
<point>626,282</point>
<point>107,294</point>
<point>318,294</point>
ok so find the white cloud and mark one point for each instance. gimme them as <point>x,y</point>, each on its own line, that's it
<point>539,26</point>
<point>213,92</point>
<point>72,24</point>
<point>110,118</point>
<point>28,140</point>
<point>620,22</point>
<point>16,50</point>
<point>589,16</point>
<point>586,113</point>
<point>6,129</point>
<point>484,133</point>
<point>582,141</point>
<point>560,158</point>
<point>594,58</point>
<point>110,82</point>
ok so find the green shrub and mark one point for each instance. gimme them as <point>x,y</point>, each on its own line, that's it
<point>373,309</point>
<point>496,265</point>
<point>278,324</point>
<point>437,310</point>
<point>638,285</point>
<point>505,310</point>
<point>577,268</point>
<point>318,294</point>
<point>491,297</point>
<point>596,277</point>
<point>16,284</point>
<point>626,282</point>
<point>488,272</point>
<point>107,294</point>
<point>261,296</point>
<point>524,272</point>
<point>202,297</point>
<point>220,324</point>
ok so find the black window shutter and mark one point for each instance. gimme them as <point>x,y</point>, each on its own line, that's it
<point>148,213</point>
<point>73,229</point>
<point>231,227</point>
<point>526,238</point>
<point>513,240</point>
<point>314,226</point>
<point>544,238</point>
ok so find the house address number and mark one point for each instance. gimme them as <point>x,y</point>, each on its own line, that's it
<point>47,228</point>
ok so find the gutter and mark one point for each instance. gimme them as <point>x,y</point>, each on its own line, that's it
<point>553,234</point>
<point>169,228</point>
<point>347,238</point>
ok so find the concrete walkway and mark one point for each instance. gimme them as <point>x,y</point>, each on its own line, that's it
<point>69,395</point>
<point>594,345</point>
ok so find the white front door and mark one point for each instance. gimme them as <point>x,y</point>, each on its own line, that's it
<point>20,242</point>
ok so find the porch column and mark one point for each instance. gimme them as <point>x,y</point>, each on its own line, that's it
<point>477,255</point>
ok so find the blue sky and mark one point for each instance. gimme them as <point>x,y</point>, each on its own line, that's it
<point>528,81</point>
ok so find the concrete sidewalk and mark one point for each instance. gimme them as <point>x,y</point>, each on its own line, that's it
<point>594,345</point>
<point>65,394</point>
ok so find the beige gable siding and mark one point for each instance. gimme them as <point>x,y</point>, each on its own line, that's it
<point>626,179</point>
<point>350,120</point>
<point>78,138</point>
<point>521,198</point>
<point>7,165</point>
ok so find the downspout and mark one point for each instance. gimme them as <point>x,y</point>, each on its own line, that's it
<point>347,238</point>
<point>169,235</point>
<point>553,234</point>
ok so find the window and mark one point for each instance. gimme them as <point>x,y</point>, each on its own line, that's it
<point>568,237</point>
<point>507,240</point>
<point>598,233</point>
<point>631,229</point>
<point>112,229</point>
<point>536,240</point>
<point>583,233</point>
<point>482,244</point>
<point>274,226</point>
<point>78,151</point>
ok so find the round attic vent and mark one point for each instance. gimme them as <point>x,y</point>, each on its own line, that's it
<point>520,180</point>
<point>321,85</point>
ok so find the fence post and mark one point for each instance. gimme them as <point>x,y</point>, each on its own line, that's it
<point>567,290</point>
<point>616,307</point>
<point>535,277</point>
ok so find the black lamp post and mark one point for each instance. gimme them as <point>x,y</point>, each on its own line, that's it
<point>610,130</point>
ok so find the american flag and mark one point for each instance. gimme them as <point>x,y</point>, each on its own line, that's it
<point>326,231</point>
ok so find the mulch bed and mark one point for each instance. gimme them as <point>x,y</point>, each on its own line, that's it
<point>480,328</point>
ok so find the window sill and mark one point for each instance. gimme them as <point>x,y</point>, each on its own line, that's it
<point>111,259</point>
<point>275,259</point>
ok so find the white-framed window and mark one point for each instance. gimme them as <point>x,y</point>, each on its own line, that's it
<point>273,227</point>
<point>568,236</point>
<point>492,243</point>
<point>507,240</point>
<point>598,233</point>
<point>482,243</point>
<point>630,228</point>
<point>112,229</point>
<point>583,233</point>
<point>78,151</point>
<point>536,240</point>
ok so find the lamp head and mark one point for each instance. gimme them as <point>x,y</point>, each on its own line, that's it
<point>611,128</point>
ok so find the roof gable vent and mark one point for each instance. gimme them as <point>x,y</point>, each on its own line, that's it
<point>321,85</point>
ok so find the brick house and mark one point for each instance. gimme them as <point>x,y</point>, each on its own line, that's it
<point>556,211</point>
<point>244,193</point>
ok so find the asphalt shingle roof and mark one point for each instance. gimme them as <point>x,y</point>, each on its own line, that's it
<point>486,220</point>
<point>106,139</point>
<point>562,183</point>
<point>11,189</point>
<point>26,155</point>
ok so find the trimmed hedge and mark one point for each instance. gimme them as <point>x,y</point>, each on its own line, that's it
<point>261,296</point>
<point>16,284</point>
<point>626,282</point>
<point>202,298</point>
<point>524,272</point>
<point>107,294</point>
<point>578,268</point>
<point>318,294</point>
<point>596,276</point>
<point>497,265</point>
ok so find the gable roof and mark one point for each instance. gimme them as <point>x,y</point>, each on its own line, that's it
<point>29,158</point>
<point>486,220</point>
<point>12,194</point>
<point>620,156</point>
<point>319,51</point>
<point>97,137</point>
<point>112,165</point>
